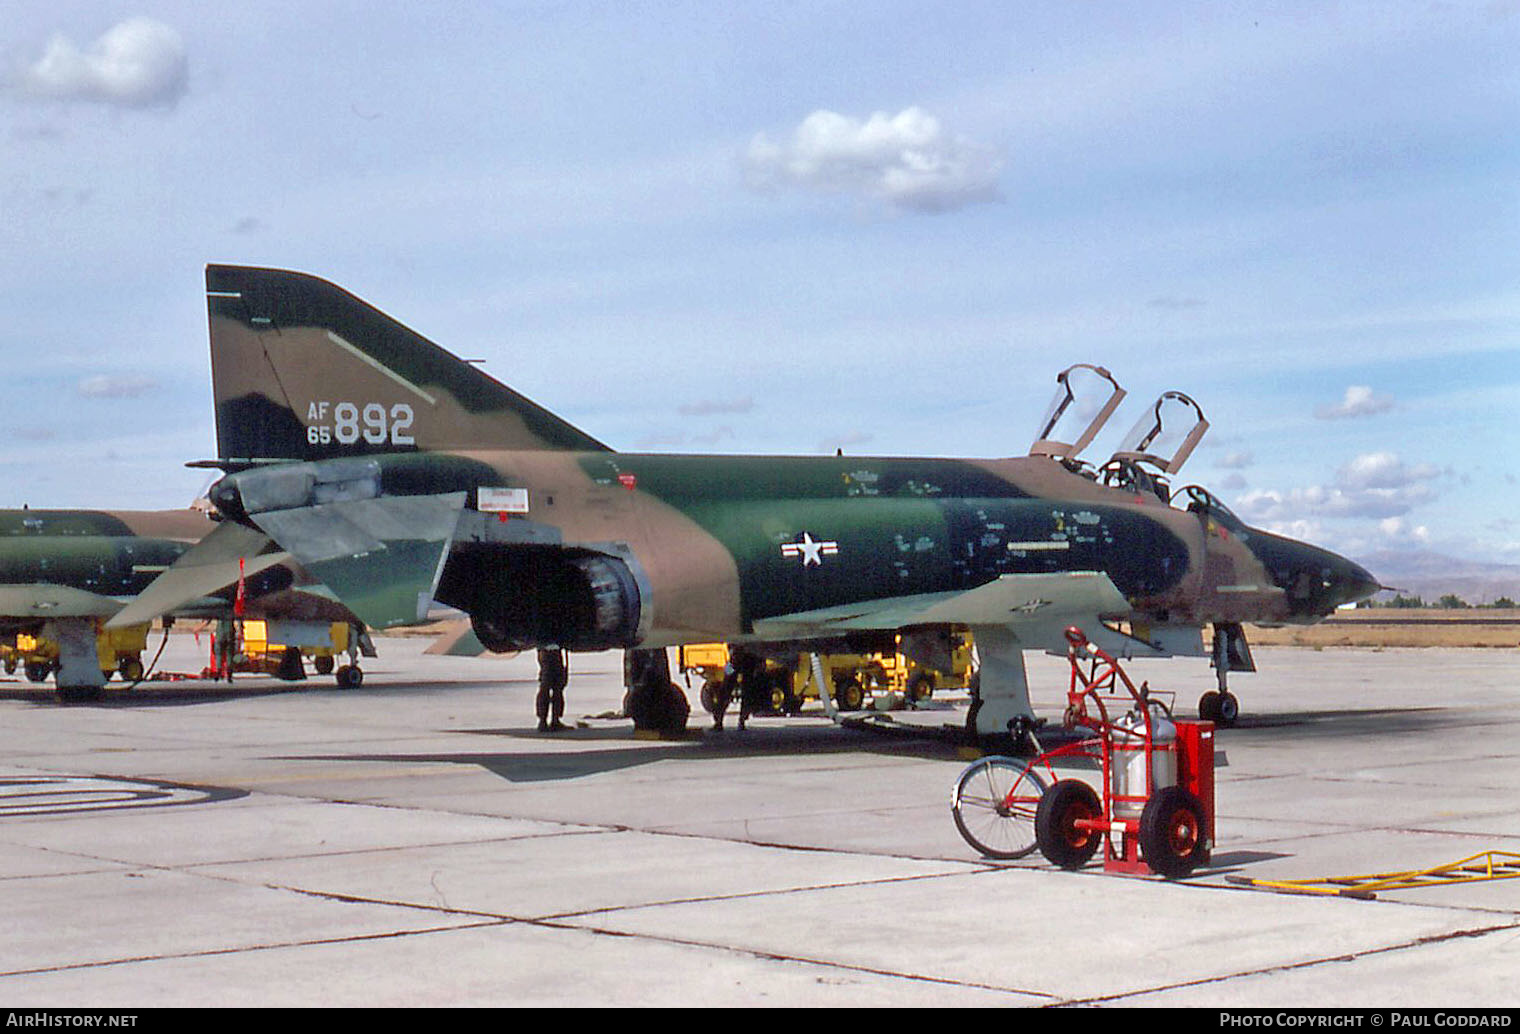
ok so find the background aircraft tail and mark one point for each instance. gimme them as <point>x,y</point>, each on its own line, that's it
<point>303,370</point>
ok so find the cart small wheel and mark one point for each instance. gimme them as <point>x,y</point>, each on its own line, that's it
<point>709,696</point>
<point>994,806</point>
<point>1061,840</point>
<point>1208,706</point>
<point>10,665</point>
<point>38,671</point>
<point>1173,833</point>
<point>323,664</point>
<point>131,669</point>
<point>349,677</point>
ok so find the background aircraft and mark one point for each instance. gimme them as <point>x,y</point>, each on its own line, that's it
<point>398,474</point>
<point>65,573</point>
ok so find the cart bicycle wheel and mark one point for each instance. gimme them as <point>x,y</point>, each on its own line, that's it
<point>994,806</point>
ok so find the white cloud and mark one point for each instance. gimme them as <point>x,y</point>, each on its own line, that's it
<point>907,160</point>
<point>1383,470</point>
<point>1376,485</point>
<point>137,63</point>
<point>708,407</point>
<point>123,386</point>
<point>1396,531</point>
<point>1360,400</point>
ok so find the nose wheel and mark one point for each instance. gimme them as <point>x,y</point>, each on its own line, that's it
<point>1221,708</point>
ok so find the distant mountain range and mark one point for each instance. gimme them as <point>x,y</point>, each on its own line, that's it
<point>1432,575</point>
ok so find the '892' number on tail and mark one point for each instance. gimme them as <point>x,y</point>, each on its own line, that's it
<point>347,423</point>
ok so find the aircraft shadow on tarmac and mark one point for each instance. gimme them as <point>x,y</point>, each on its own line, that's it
<point>548,766</point>
<point>813,738</point>
<point>195,692</point>
<point>1351,722</point>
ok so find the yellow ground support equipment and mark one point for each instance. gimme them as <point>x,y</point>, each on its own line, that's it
<point>119,649</point>
<point>278,647</point>
<point>854,679</point>
<point>1490,865</point>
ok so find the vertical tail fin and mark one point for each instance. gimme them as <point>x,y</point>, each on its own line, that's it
<point>303,370</point>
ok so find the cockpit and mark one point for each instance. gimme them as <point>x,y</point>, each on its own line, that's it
<point>1154,450</point>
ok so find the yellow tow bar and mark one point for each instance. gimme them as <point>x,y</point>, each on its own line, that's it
<point>1490,865</point>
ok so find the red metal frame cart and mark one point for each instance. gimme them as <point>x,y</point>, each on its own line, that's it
<point>1156,810</point>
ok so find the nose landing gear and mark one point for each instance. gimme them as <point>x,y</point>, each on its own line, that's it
<point>1231,653</point>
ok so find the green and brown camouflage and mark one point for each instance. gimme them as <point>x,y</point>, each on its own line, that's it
<point>399,474</point>
<point>63,573</point>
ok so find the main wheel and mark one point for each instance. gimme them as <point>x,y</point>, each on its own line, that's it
<point>920,687</point>
<point>1061,840</point>
<point>994,806</point>
<point>1173,834</point>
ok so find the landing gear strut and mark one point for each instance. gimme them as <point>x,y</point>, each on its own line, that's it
<point>1231,653</point>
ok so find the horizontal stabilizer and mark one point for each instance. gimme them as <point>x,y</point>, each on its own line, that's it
<point>230,552</point>
<point>458,639</point>
<point>380,557</point>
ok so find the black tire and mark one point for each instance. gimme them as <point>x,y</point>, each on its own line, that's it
<point>38,671</point>
<point>350,677</point>
<point>1061,841</point>
<point>920,687</point>
<point>994,806</point>
<point>849,695</point>
<point>131,669</point>
<point>323,664</point>
<point>1229,710</point>
<point>1208,706</point>
<point>1174,835</point>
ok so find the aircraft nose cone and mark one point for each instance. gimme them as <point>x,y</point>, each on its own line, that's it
<point>1315,580</point>
<point>1350,582</point>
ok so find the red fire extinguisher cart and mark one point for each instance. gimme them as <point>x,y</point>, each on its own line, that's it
<point>1156,812</point>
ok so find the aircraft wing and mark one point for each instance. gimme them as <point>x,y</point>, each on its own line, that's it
<point>42,602</point>
<point>230,552</point>
<point>1036,608</point>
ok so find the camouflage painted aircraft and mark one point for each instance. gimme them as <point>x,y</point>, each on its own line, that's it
<point>398,474</point>
<point>62,572</point>
<point>65,573</point>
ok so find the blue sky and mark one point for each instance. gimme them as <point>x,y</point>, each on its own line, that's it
<point>791,227</point>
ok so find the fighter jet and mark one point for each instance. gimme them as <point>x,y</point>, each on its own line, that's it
<point>400,475</point>
<point>63,573</point>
